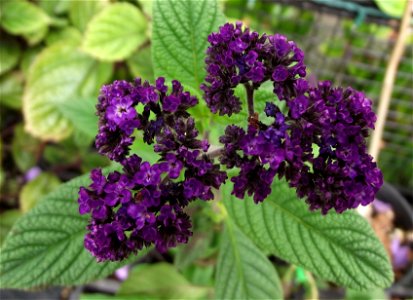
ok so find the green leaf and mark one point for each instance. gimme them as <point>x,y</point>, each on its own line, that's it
<point>34,190</point>
<point>82,113</point>
<point>60,73</point>
<point>81,12</point>
<point>115,32</point>
<point>22,17</point>
<point>160,281</point>
<point>243,270</point>
<point>45,246</point>
<point>338,247</point>
<point>55,7</point>
<point>7,219</point>
<point>28,57</point>
<point>9,53</point>
<point>140,64</point>
<point>179,38</point>
<point>11,90</point>
<point>24,149</point>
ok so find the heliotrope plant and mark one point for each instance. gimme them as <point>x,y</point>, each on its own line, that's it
<point>317,144</point>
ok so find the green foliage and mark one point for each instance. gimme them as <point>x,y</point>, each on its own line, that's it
<point>115,32</point>
<point>81,12</point>
<point>338,247</point>
<point>140,64</point>
<point>9,53</point>
<point>24,149</point>
<point>393,8</point>
<point>34,190</point>
<point>60,73</point>
<point>243,271</point>
<point>11,90</point>
<point>82,114</point>
<point>179,39</point>
<point>45,247</point>
<point>160,281</point>
<point>23,17</point>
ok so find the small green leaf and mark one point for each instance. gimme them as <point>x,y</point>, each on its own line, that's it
<point>28,57</point>
<point>60,73</point>
<point>82,113</point>
<point>24,149</point>
<point>338,247</point>
<point>140,64</point>
<point>11,90</point>
<point>7,219</point>
<point>9,53</point>
<point>34,190</point>
<point>115,32</point>
<point>45,246</point>
<point>179,38</point>
<point>22,17</point>
<point>243,270</point>
<point>55,7</point>
<point>81,12</point>
<point>160,281</point>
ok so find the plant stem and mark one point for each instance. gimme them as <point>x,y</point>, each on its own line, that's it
<point>250,98</point>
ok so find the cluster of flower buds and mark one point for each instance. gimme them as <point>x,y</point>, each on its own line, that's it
<point>331,121</point>
<point>143,204</point>
<point>317,145</point>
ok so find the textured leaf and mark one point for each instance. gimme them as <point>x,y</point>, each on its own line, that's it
<point>160,281</point>
<point>243,270</point>
<point>20,17</point>
<point>179,38</point>
<point>82,113</point>
<point>338,247</point>
<point>81,12</point>
<point>9,53</point>
<point>115,32</point>
<point>60,73</point>
<point>11,90</point>
<point>34,190</point>
<point>45,246</point>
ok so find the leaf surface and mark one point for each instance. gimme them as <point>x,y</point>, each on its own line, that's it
<point>338,247</point>
<point>115,32</point>
<point>45,246</point>
<point>243,270</point>
<point>179,38</point>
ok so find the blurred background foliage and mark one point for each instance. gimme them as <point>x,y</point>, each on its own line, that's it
<point>55,56</point>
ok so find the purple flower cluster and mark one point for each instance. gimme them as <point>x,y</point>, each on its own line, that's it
<point>144,204</point>
<point>334,120</point>
<point>239,56</point>
<point>317,145</point>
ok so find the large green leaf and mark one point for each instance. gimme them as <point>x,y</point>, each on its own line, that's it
<point>60,73</point>
<point>338,247</point>
<point>21,17</point>
<point>179,38</point>
<point>45,246</point>
<point>140,64</point>
<point>160,281</point>
<point>115,32</point>
<point>243,270</point>
<point>81,12</point>
<point>9,53</point>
